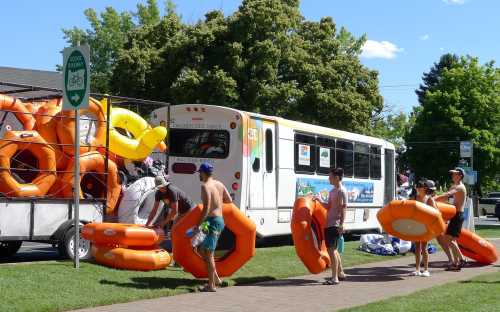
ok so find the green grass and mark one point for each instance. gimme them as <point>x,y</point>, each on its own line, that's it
<point>57,286</point>
<point>488,231</point>
<point>478,294</point>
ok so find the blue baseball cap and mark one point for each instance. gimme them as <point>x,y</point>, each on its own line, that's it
<point>206,167</point>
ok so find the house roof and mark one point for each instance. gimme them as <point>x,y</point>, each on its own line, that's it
<point>19,77</point>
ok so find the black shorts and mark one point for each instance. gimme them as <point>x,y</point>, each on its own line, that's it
<point>455,226</point>
<point>332,235</point>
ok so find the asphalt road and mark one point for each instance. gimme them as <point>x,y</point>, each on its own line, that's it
<point>33,252</point>
<point>486,221</point>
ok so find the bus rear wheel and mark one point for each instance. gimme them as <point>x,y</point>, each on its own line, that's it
<point>9,248</point>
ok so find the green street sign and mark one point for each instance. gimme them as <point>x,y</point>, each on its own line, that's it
<point>76,78</point>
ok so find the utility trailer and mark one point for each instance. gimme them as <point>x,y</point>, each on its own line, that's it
<point>51,220</point>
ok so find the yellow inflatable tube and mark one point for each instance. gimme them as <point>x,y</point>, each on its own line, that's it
<point>144,140</point>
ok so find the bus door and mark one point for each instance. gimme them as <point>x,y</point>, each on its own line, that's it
<point>269,175</point>
<point>262,166</point>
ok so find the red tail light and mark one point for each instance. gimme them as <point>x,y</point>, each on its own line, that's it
<point>235,186</point>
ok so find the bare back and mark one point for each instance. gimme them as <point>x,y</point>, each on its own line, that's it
<point>214,194</point>
<point>459,193</point>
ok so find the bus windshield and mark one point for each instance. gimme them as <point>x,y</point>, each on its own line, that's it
<point>199,143</point>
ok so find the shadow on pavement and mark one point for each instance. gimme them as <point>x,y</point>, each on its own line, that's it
<point>376,274</point>
<point>246,281</point>
<point>286,282</point>
<point>155,283</point>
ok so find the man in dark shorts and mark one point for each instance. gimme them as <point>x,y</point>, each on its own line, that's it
<point>449,240</point>
<point>337,203</point>
<point>174,198</point>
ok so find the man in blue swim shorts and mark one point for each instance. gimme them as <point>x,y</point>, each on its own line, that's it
<point>213,195</point>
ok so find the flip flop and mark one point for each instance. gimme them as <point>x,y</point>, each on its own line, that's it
<point>205,289</point>
<point>330,282</point>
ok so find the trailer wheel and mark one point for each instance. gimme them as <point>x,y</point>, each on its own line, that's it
<point>9,248</point>
<point>66,246</point>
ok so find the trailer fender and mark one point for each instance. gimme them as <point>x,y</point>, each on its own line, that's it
<point>64,227</point>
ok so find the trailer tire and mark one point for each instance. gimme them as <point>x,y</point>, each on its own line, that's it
<point>65,246</point>
<point>9,248</point>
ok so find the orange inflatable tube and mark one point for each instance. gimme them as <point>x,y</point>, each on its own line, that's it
<point>94,162</point>
<point>308,223</point>
<point>476,247</point>
<point>243,229</point>
<point>66,128</point>
<point>122,234</point>
<point>22,113</point>
<point>46,125</point>
<point>411,220</point>
<point>15,141</point>
<point>131,259</point>
<point>447,211</point>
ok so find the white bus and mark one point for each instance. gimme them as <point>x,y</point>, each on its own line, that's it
<point>267,162</point>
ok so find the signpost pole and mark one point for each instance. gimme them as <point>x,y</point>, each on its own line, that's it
<point>76,189</point>
<point>76,86</point>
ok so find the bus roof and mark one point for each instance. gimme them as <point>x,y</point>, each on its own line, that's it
<point>305,127</point>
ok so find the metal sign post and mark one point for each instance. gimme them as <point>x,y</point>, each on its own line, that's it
<point>76,96</point>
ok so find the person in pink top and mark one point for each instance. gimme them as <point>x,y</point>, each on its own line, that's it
<point>337,203</point>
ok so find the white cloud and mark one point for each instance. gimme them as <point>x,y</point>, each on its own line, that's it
<point>380,49</point>
<point>441,49</point>
<point>424,37</point>
<point>454,2</point>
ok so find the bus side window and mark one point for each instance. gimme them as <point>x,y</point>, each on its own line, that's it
<point>345,157</point>
<point>325,155</point>
<point>269,150</point>
<point>375,162</point>
<point>256,164</point>
<point>305,153</point>
<point>361,161</point>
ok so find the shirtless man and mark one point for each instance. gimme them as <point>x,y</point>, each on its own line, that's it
<point>449,240</point>
<point>213,195</point>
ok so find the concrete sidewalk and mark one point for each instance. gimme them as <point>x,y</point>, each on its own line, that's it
<point>365,283</point>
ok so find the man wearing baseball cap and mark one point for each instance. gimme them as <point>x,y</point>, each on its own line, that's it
<point>213,195</point>
<point>178,202</point>
<point>449,240</point>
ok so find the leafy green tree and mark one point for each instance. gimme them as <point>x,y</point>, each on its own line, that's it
<point>460,100</point>
<point>393,127</point>
<point>264,58</point>
<point>107,36</point>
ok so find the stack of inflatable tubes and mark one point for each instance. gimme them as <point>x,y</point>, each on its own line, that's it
<point>241,226</point>
<point>308,223</point>
<point>52,130</point>
<point>411,220</point>
<point>126,246</point>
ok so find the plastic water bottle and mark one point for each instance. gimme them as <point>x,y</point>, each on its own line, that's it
<point>340,244</point>
<point>197,239</point>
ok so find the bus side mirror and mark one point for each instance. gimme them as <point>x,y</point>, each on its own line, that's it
<point>256,164</point>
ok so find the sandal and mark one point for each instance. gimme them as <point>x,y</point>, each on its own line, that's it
<point>452,267</point>
<point>206,288</point>
<point>330,282</point>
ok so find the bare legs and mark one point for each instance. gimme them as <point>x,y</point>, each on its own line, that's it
<point>451,249</point>
<point>337,271</point>
<point>213,277</point>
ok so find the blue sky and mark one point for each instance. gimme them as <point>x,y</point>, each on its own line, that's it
<point>405,36</point>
